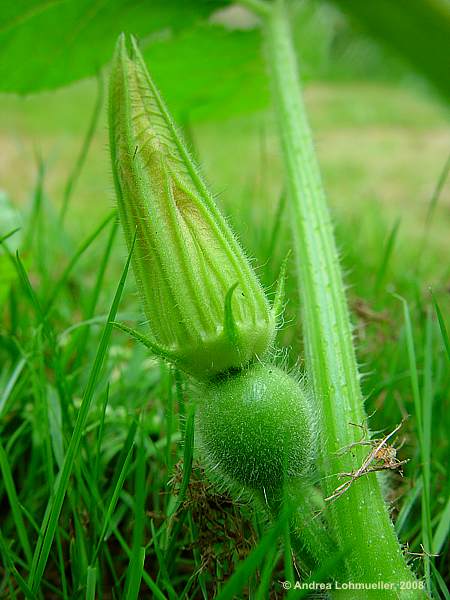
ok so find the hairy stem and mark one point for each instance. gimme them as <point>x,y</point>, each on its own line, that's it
<point>359,517</point>
<point>309,533</point>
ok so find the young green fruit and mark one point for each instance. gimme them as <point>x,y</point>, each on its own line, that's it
<point>256,429</point>
<point>206,309</point>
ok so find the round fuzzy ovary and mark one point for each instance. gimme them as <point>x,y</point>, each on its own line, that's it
<point>256,428</point>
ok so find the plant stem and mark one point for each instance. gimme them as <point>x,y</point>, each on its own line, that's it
<point>309,533</point>
<point>359,517</point>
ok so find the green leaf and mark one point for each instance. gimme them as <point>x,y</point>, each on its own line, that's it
<point>209,69</point>
<point>417,30</point>
<point>77,37</point>
<point>201,67</point>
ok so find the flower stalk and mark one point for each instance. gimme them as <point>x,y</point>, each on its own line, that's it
<point>359,518</point>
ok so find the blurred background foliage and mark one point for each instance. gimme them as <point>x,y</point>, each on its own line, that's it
<point>377,104</point>
<point>376,89</point>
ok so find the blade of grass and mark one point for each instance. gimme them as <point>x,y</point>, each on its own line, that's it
<point>442,530</point>
<point>78,166</point>
<point>62,565</point>
<point>80,340</point>
<point>270,563</point>
<point>79,562</point>
<point>163,573</point>
<point>32,226</point>
<point>430,213</point>
<point>112,503</point>
<point>91,580</point>
<point>235,584</point>
<point>187,459</point>
<point>50,520</point>
<point>157,593</point>
<point>8,482</point>
<point>8,235</point>
<point>135,574</point>
<point>427,415</point>
<point>9,563</point>
<point>441,583</point>
<point>11,383</point>
<point>91,496</point>
<point>381,273</point>
<point>187,587</point>
<point>408,505</point>
<point>423,407</point>
<point>101,429</point>
<point>442,326</point>
<point>193,535</point>
<point>437,192</point>
<point>55,425</point>
<point>28,288</point>
<point>75,258</point>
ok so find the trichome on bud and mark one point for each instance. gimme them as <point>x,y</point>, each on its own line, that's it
<point>205,306</point>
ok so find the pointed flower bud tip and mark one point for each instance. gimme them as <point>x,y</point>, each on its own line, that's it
<point>200,295</point>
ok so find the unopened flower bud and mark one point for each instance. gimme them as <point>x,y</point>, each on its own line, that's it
<point>206,309</point>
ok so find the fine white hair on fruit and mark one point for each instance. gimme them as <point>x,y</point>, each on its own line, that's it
<point>257,429</point>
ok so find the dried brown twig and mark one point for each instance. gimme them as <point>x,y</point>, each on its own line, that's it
<point>422,554</point>
<point>382,457</point>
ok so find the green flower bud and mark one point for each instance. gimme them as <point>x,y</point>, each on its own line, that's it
<point>206,309</point>
<point>256,429</point>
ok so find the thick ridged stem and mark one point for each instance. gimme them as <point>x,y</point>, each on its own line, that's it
<point>359,517</point>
